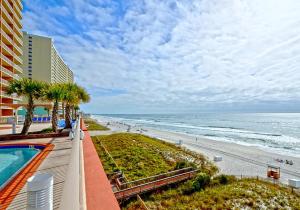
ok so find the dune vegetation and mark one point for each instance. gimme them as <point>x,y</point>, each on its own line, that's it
<point>139,156</point>
<point>93,125</point>
<point>234,194</point>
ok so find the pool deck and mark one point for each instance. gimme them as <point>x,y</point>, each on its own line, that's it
<point>56,163</point>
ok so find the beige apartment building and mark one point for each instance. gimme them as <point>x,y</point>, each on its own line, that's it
<point>10,52</point>
<point>41,61</point>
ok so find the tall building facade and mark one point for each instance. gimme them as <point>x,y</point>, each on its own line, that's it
<point>42,62</point>
<point>10,51</point>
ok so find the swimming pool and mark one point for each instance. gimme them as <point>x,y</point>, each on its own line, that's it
<point>13,158</point>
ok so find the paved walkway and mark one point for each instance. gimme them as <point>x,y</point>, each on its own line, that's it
<point>99,194</point>
<point>55,163</point>
<point>7,128</point>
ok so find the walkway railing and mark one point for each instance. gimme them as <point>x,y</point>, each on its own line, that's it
<point>136,190</point>
<point>155,178</point>
<point>73,196</point>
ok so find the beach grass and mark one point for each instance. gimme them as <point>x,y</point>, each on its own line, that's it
<point>237,194</point>
<point>139,156</point>
<point>93,125</point>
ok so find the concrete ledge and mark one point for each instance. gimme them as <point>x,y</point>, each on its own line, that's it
<point>99,195</point>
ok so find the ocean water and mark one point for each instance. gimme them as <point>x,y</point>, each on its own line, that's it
<point>279,132</point>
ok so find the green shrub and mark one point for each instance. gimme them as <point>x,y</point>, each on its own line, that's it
<point>201,181</point>
<point>223,180</point>
<point>187,188</point>
<point>181,165</point>
<point>47,130</point>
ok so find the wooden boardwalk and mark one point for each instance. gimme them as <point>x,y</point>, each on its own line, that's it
<point>55,163</point>
<point>146,187</point>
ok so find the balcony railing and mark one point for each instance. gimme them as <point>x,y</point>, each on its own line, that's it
<point>8,5</point>
<point>4,11</point>
<point>6,37</point>
<point>72,195</point>
<point>4,94</point>
<point>4,82</point>
<point>18,50</point>
<point>7,60</point>
<point>8,27</point>
<point>18,11</point>
<point>18,39</point>
<point>19,4</point>
<point>17,30</point>
<point>18,68</point>
<point>7,49</point>
<point>7,72</point>
<point>18,22</point>
<point>16,77</point>
<point>18,60</point>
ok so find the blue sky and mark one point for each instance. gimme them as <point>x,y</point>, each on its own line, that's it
<point>156,56</point>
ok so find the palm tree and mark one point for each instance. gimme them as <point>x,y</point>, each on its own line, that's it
<point>32,90</point>
<point>55,94</point>
<point>75,108</point>
<point>74,95</point>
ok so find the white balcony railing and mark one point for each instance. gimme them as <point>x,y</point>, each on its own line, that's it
<point>8,27</point>
<point>7,49</point>
<point>4,82</point>
<point>72,196</point>
<point>6,37</point>
<point>7,72</point>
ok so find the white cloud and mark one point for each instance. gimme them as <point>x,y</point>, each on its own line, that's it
<point>177,54</point>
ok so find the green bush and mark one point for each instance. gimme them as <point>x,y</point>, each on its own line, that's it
<point>223,179</point>
<point>187,188</point>
<point>181,165</point>
<point>47,130</point>
<point>201,181</point>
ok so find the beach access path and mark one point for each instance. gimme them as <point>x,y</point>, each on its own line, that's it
<point>238,160</point>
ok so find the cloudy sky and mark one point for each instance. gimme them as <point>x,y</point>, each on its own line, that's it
<point>155,56</point>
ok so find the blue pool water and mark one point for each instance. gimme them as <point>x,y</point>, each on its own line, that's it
<point>12,160</point>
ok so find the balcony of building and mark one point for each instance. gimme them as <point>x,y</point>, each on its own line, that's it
<point>12,8</point>
<point>7,28</point>
<point>8,17</point>
<point>17,50</point>
<point>19,4</point>
<point>4,82</point>
<point>17,10</point>
<point>7,49</point>
<point>6,73</point>
<point>12,61</point>
<point>7,39</point>
<point>18,40</point>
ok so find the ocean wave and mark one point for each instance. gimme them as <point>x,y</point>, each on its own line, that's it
<point>223,133</point>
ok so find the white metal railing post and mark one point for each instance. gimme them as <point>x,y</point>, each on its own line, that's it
<point>71,196</point>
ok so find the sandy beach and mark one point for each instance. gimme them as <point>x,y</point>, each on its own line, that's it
<point>237,159</point>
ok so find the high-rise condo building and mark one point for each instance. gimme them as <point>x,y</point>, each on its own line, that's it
<point>41,61</point>
<point>10,51</point>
